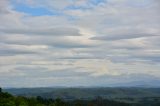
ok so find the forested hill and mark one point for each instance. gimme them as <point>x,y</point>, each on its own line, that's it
<point>7,99</point>
<point>86,93</point>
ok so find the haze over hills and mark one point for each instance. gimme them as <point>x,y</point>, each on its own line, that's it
<point>86,93</point>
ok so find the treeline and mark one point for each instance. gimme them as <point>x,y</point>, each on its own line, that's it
<point>7,99</point>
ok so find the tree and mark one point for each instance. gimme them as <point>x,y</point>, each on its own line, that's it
<point>0,89</point>
<point>20,101</point>
<point>59,102</point>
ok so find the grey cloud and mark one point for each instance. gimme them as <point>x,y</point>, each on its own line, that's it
<point>151,58</point>
<point>56,31</point>
<point>80,57</point>
<point>59,42</point>
<point>31,68</point>
<point>137,80</point>
<point>71,45</point>
<point>123,36</point>
<point>14,52</point>
<point>126,37</point>
<point>153,42</point>
<point>110,81</point>
<point>4,8</point>
<point>44,72</point>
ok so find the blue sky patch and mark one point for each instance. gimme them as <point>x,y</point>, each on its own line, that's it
<point>34,11</point>
<point>96,2</point>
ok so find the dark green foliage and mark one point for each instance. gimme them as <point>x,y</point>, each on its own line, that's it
<point>7,99</point>
<point>5,95</point>
<point>0,89</point>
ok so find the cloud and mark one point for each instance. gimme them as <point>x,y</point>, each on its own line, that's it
<point>44,72</point>
<point>86,42</point>
<point>5,7</point>
<point>124,36</point>
<point>13,52</point>
<point>63,4</point>
<point>61,31</point>
<point>53,41</point>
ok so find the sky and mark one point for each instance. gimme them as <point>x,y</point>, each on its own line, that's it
<point>48,43</point>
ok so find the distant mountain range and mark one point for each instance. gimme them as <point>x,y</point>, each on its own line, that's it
<point>86,93</point>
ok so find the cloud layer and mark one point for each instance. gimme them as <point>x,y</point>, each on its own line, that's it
<point>80,43</point>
